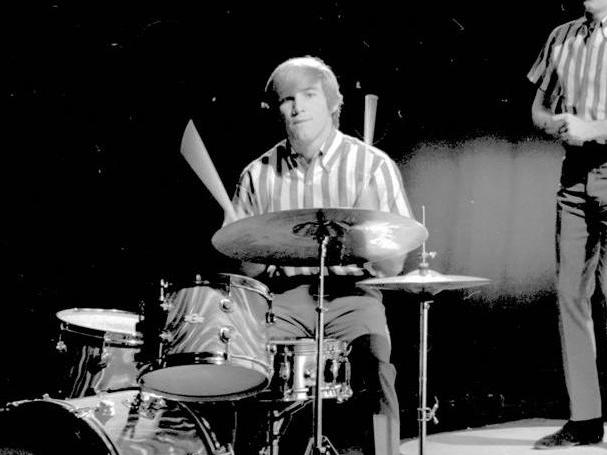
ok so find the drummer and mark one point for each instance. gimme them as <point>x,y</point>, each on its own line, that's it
<point>317,165</point>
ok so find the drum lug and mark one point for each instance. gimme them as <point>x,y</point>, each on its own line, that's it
<point>225,335</point>
<point>226,305</point>
<point>166,336</point>
<point>344,393</point>
<point>193,318</point>
<point>285,370</point>
<point>166,306</point>
<point>104,411</point>
<point>61,346</point>
<point>150,405</point>
<point>270,317</point>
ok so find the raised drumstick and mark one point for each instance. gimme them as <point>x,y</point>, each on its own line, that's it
<point>195,153</point>
<point>370,111</point>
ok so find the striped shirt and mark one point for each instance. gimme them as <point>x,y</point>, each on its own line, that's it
<point>346,173</point>
<point>572,69</point>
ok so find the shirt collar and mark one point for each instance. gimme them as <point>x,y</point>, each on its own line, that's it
<point>590,24</point>
<point>327,149</point>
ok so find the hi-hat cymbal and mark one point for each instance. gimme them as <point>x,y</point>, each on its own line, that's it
<point>292,237</point>
<point>424,281</point>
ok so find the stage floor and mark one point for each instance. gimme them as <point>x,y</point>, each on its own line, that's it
<point>512,438</point>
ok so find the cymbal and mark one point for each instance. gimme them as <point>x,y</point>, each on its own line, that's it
<point>292,237</point>
<point>424,281</point>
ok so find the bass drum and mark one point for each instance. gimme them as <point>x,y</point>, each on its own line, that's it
<point>119,423</point>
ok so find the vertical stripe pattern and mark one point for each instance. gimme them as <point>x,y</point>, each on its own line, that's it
<point>346,173</point>
<point>572,69</point>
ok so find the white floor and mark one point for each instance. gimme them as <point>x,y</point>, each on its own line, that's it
<point>513,438</point>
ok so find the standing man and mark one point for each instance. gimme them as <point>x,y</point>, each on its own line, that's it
<point>319,166</point>
<point>571,104</point>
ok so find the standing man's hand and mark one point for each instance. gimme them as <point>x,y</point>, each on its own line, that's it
<point>576,131</point>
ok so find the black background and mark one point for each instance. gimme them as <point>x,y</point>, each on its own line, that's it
<point>98,204</point>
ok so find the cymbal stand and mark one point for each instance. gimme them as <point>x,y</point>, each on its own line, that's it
<point>320,445</point>
<point>424,413</point>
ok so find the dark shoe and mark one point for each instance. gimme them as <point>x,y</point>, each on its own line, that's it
<point>573,433</point>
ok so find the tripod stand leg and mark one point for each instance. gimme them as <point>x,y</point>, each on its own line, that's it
<point>325,449</point>
<point>278,423</point>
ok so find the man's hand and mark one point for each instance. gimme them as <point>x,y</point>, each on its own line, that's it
<point>574,130</point>
<point>386,267</point>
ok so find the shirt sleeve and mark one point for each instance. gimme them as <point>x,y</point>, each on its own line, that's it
<point>543,72</point>
<point>390,189</point>
<point>244,200</point>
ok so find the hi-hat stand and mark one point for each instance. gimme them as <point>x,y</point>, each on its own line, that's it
<point>426,283</point>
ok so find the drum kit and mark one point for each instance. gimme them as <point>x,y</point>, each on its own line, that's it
<point>131,380</point>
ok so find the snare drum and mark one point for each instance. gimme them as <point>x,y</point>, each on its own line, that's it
<point>295,370</point>
<point>98,348</point>
<point>119,423</point>
<point>213,342</point>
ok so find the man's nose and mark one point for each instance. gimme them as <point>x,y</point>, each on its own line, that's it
<point>297,106</point>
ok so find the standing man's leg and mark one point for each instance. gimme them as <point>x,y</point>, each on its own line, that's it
<point>577,256</point>
<point>580,235</point>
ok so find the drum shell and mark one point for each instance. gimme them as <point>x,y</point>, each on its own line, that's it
<point>212,341</point>
<point>294,365</point>
<point>118,423</point>
<point>97,359</point>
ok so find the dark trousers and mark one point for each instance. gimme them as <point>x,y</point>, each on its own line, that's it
<point>581,238</point>
<point>367,423</point>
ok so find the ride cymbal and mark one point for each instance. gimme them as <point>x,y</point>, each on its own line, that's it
<point>293,237</point>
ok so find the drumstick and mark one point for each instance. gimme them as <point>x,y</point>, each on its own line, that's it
<point>195,153</point>
<point>365,200</point>
<point>370,110</point>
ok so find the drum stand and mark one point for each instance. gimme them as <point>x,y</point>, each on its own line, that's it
<point>279,420</point>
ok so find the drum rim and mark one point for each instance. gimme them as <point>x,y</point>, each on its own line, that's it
<point>301,341</point>
<point>207,358</point>
<point>202,428</point>
<point>236,280</point>
<point>73,410</point>
<point>203,398</point>
<point>109,336</point>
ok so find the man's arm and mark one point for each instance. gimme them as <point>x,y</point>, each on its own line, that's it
<point>542,117</point>
<point>568,127</point>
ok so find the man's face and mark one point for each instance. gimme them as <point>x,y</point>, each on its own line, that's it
<point>597,8</point>
<point>304,107</point>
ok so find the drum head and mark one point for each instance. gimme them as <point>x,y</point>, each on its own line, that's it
<point>200,382</point>
<point>114,321</point>
<point>119,423</point>
<point>46,428</point>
